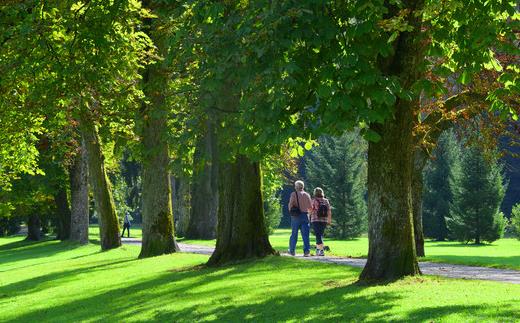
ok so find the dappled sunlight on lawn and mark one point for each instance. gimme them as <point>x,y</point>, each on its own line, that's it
<point>82,283</point>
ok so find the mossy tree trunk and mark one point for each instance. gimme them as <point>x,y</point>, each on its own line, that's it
<point>158,229</point>
<point>204,192</point>
<point>241,232</point>
<point>63,213</point>
<point>158,237</point>
<point>391,252</point>
<point>100,184</point>
<point>78,176</point>
<point>34,228</point>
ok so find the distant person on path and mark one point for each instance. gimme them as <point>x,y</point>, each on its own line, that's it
<point>299,205</point>
<point>126,225</point>
<point>321,215</point>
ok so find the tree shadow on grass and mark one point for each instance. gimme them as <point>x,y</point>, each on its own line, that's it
<point>40,283</point>
<point>334,304</point>
<point>23,243</point>
<point>199,293</point>
<point>243,292</point>
<point>477,313</point>
<point>25,250</point>
<point>118,304</point>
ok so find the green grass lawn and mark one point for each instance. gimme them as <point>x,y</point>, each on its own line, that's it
<point>135,232</point>
<point>62,282</point>
<point>504,253</point>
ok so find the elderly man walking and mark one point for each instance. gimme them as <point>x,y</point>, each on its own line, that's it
<point>299,205</point>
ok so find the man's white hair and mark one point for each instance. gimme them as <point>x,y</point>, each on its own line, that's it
<point>299,185</point>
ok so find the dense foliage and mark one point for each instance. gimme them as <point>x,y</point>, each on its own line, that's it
<point>515,220</point>
<point>437,192</point>
<point>271,76</point>
<point>338,166</point>
<point>478,190</point>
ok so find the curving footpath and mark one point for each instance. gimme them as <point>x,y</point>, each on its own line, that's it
<point>428,268</point>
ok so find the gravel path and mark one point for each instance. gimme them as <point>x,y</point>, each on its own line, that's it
<point>428,268</point>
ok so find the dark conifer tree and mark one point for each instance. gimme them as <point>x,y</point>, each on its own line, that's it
<point>437,192</point>
<point>478,190</point>
<point>338,165</point>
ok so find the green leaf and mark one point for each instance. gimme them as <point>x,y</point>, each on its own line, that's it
<point>393,36</point>
<point>301,152</point>
<point>465,77</point>
<point>371,135</point>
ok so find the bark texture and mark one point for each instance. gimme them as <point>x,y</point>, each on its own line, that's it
<point>79,197</point>
<point>101,187</point>
<point>420,159</point>
<point>34,232</point>
<point>158,230</point>
<point>180,204</point>
<point>63,211</point>
<point>158,235</point>
<point>391,252</point>
<point>241,232</point>
<point>204,193</point>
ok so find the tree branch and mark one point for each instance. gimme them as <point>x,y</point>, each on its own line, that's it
<point>224,110</point>
<point>444,118</point>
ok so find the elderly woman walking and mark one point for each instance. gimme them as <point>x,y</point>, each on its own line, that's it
<point>321,215</point>
<point>299,206</point>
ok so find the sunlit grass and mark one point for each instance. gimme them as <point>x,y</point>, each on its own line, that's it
<point>63,282</point>
<point>504,253</point>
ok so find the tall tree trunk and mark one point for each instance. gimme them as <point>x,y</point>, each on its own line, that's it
<point>180,204</point>
<point>391,252</point>
<point>158,230</point>
<point>204,192</point>
<point>101,187</point>
<point>34,228</point>
<point>420,159</point>
<point>63,210</point>
<point>79,197</point>
<point>241,232</point>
